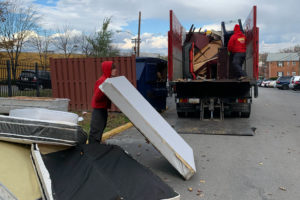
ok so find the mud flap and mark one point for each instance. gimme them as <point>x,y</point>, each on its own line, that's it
<point>255,91</point>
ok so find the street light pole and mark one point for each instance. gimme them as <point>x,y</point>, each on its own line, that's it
<point>133,40</point>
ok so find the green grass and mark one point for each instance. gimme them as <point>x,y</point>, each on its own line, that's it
<point>115,119</point>
<point>32,93</point>
<point>29,93</point>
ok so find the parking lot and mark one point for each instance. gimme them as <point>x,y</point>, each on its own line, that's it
<point>263,166</point>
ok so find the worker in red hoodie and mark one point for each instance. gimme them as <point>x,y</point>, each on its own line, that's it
<point>100,104</point>
<point>237,47</point>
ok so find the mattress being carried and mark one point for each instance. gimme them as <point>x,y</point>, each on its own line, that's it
<point>151,124</point>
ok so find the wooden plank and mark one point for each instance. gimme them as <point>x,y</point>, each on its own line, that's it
<point>66,81</point>
<point>54,83</point>
<point>72,82</point>
<point>83,84</point>
<point>76,84</point>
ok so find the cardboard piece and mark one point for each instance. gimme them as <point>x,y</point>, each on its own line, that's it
<point>151,124</point>
<point>206,54</point>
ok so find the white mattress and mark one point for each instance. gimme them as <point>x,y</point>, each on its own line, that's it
<point>151,124</point>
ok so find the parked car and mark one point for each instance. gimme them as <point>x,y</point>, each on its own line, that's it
<point>265,83</point>
<point>293,80</point>
<point>296,85</point>
<point>258,82</point>
<point>283,82</point>
<point>272,83</point>
<point>28,79</point>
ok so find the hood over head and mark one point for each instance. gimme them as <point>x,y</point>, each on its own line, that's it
<point>106,68</point>
<point>237,28</point>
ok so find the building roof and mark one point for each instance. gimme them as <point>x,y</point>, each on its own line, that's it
<point>282,57</point>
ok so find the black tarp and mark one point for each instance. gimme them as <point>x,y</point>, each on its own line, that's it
<point>40,131</point>
<point>99,171</point>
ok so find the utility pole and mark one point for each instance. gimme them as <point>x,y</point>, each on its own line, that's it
<point>139,39</point>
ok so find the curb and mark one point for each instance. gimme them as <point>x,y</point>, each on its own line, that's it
<point>116,131</point>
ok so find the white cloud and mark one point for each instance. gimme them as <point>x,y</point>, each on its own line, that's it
<point>149,43</point>
<point>70,33</point>
<point>275,17</point>
<point>154,42</point>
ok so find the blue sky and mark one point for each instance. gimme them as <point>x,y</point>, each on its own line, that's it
<point>278,20</point>
<point>46,2</point>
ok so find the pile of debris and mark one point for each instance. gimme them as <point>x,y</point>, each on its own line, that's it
<point>201,51</point>
<point>44,155</point>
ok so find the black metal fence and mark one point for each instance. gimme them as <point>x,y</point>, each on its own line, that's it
<point>12,83</point>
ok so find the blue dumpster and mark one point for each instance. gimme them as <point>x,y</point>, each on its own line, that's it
<point>151,76</point>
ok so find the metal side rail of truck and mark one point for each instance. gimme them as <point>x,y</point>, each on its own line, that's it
<point>200,72</point>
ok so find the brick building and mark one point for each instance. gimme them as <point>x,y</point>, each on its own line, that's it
<point>282,64</point>
<point>263,70</point>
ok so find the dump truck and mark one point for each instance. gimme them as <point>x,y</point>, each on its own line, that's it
<point>200,72</point>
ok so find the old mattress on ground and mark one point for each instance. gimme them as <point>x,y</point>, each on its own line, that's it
<point>97,171</point>
<point>24,130</point>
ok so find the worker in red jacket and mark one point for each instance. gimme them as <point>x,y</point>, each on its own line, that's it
<point>100,104</point>
<point>237,48</point>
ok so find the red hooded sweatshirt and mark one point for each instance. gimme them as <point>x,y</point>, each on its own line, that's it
<point>237,42</point>
<point>99,99</point>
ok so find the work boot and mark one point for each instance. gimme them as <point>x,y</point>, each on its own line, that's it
<point>242,78</point>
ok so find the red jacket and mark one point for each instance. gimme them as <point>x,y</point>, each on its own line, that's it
<point>99,99</point>
<point>237,42</point>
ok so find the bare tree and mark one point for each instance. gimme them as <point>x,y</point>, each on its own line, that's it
<point>287,50</point>
<point>3,9</point>
<point>66,41</point>
<point>41,43</point>
<point>295,49</point>
<point>84,45</point>
<point>15,29</point>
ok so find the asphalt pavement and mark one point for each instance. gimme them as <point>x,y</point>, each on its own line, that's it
<point>230,167</point>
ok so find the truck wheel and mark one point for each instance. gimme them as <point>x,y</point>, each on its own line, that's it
<point>20,88</point>
<point>245,114</point>
<point>234,114</point>
<point>181,114</point>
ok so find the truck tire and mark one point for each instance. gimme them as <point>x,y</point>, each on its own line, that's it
<point>181,114</point>
<point>245,114</point>
<point>20,88</point>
